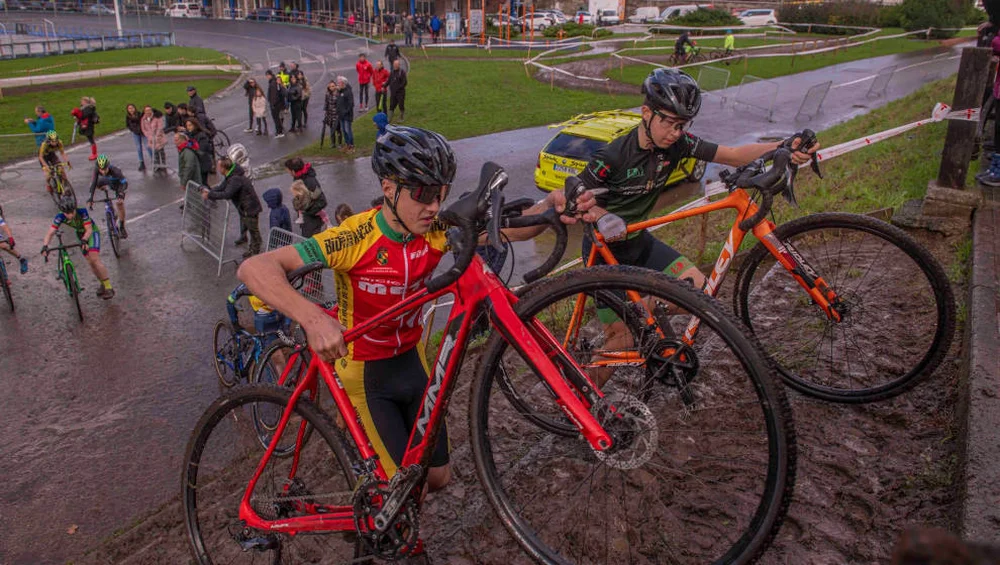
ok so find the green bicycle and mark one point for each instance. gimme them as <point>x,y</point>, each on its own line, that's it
<point>67,272</point>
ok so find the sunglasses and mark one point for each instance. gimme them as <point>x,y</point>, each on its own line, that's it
<point>671,123</point>
<point>428,194</point>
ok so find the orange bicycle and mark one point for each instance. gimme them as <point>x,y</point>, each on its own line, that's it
<point>877,313</point>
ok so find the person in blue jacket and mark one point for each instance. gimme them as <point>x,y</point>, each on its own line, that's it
<point>280,218</point>
<point>381,120</point>
<point>436,28</point>
<point>42,124</point>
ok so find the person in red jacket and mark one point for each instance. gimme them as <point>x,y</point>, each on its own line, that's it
<point>379,77</point>
<point>365,72</point>
<point>86,118</point>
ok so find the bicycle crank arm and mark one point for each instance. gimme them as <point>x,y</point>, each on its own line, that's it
<point>391,507</point>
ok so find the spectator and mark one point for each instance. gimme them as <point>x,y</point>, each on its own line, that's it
<point>342,212</point>
<point>151,128</point>
<point>188,164</point>
<point>308,213</point>
<point>86,118</point>
<point>435,28</point>
<point>351,21</point>
<point>381,121</point>
<point>279,216</point>
<point>579,18</point>
<point>41,125</point>
<point>170,118</point>
<point>306,94</point>
<point>204,149</point>
<point>295,100</point>
<point>397,91</point>
<point>276,100</point>
<point>196,106</point>
<point>392,51</point>
<point>330,117</point>
<point>250,89</point>
<point>238,189</point>
<point>182,115</point>
<point>407,36</point>
<point>133,121</point>
<point>345,112</point>
<point>419,26</point>
<point>365,72</point>
<point>379,77</point>
<point>313,210</point>
<point>259,107</point>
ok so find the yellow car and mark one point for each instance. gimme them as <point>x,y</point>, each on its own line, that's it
<point>571,149</point>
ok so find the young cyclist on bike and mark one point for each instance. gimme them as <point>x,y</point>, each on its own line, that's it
<point>47,156</point>
<point>107,176</point>
<point>379,257</point>
<point>7,243</point>
<point>628,175</point>
<point>88,234</point>
<point>681,47</point>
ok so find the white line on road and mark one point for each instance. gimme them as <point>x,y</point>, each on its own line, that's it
<point>153,211</point>
<point>869,77</point>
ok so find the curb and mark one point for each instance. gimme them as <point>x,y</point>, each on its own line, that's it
<point>980,453</point>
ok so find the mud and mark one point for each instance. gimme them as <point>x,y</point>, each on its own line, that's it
<point>865,473</point>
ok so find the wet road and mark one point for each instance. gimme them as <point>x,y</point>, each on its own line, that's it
<point>98,414</point>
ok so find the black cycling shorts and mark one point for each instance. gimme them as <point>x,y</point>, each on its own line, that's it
<point>388,393</point>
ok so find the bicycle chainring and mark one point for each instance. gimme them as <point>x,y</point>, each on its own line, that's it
<point>633,428</point>
<point>400,537</point>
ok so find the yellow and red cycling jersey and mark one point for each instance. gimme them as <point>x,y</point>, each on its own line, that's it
<point>376,267</point>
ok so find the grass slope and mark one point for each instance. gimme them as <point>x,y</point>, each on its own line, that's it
<point>467,98</point>
<point>56,64</point>
<point>111,101</point>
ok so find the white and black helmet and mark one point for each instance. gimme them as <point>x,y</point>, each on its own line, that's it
<point>239,154</point>
<point>673,91</point>
<point>413,157</point>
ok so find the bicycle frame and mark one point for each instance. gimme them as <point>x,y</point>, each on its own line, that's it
<point>740,201</point>
<point>477,287</point>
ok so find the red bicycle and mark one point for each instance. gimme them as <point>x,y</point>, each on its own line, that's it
<point>643,472</point>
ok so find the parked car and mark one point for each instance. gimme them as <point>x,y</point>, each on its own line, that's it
<point>645,15</point>
<point>537,22</point>
<point>185,10</point>
<point>608,18</point>
<point>496,21</point>
<point>263,15</point>
<point>572,148</point>
<point>588,18</point>
<point>100,10</point>
<point>679,10</point>
<point>758,17</point>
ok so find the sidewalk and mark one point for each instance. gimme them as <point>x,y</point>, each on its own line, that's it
<point>101,73</point>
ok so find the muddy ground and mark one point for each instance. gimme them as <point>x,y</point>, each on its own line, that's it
<point>865,473</point>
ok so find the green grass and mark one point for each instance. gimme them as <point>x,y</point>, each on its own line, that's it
<point>771,67</point>
<point>883,175</point>
<point>111,101</point>
<point>105,59</point>
<point>480,98</point>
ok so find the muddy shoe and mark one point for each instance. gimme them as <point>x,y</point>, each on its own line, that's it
<point>121,230</point>
<point>106,293</point>
<point>24,265</point>
<point>240,241</point>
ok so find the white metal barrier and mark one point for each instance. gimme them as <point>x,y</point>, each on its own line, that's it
<point>350,46</point>
<point>759,93</point>
<point>285,55</point>
<point>712,79</point>
<point>204,222</point>
<point>319,285</point>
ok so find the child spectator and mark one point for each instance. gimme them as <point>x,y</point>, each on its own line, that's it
<point>280,218</point>
<point>303,199</point>
<point>342,212</point>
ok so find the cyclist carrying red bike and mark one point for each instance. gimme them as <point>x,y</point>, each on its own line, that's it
<point>379,257</point>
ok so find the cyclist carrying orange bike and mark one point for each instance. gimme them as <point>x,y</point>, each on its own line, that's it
<point>379,257</point>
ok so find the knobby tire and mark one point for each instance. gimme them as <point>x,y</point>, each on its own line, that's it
<point>113,234</point>
<point>224,336</point>
<point>73,285</point>
<point>5,283</point>
<point>268,372</point>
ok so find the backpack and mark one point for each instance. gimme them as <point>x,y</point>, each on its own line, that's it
<point>97,117</point>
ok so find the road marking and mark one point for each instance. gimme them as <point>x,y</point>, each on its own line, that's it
<point>153,211</point>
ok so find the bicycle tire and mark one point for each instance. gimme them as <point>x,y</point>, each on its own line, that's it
<point>212,468</point>
<point>73,285</point>
<point>223,336</point>
<point>267,372</point>
<point>768,399</point>
<point>220,142</point>
<point>109,219</point>
<point>808,231</point>
<point>5,284</point>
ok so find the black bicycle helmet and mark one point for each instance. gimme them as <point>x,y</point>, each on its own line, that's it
<point>67,203</point>
<point>413,157</point>
<point>673,91</point>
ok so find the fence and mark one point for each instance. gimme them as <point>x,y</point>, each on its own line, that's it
<point>205,222</point>
<point>277,55</point>
<point>881,82</point>
<point>712,79</point>
<point>318,286</point>
<point>352,46</point>
<point>60,46</point>
<point>812,102</point>
<point>758,93</point>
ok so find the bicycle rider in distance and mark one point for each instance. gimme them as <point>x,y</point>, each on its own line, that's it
<point>681,46</point>
<point>47,156</point>
<point>628,175</point>
<point>379,257</point>
<point>90,240</point>
<point>107,176</point>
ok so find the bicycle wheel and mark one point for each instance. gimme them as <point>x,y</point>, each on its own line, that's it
<point>269,369</point>
<point>5,284</point>
<point>221,142</point>
<point>223,454</point>
<point>109,219</point>
<point>73,286</point>
<point>899,311</point>
<point>704,482</point>
<point>226,353</point>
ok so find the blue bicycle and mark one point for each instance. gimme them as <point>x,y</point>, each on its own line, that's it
<point>115,232</point>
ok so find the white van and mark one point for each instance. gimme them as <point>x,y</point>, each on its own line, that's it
<point>185,10</point>
<point>672,12</point>
<point>644,15</point>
